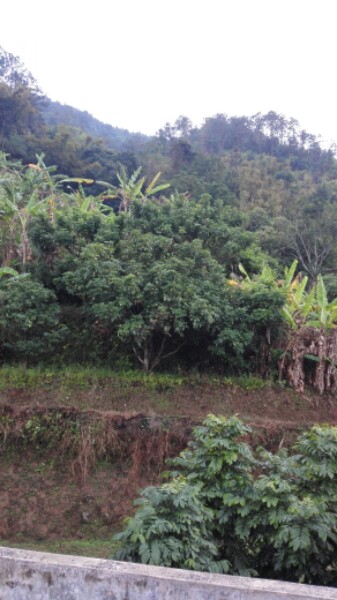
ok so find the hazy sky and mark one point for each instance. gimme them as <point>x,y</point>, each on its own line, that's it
<point>140,63</point>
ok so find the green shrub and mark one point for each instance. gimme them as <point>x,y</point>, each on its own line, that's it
<point>226,509</point>
<point>29,320</point>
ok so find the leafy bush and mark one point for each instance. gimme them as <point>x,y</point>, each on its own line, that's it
<point>29,320</point>
<point>226,509</point>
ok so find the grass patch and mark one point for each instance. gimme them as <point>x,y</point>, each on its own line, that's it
<point>82,378</point>
<point>92,547</point>
<point>248,382</point>
<point>75,377</point>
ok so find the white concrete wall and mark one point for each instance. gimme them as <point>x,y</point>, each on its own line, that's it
<point>26,575</point>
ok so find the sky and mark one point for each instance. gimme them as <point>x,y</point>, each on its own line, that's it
<point>138,64</point>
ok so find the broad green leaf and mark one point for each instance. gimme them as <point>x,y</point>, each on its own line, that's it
<point>307,307</point>
<point>312,357</point>
<point>332,304</point>
<point>159,188</point>
<point>138,187</point>
<point>8,271</point>
<point>289,317</point>
<point>133,177</point>
<point>81,180</point>
<point>152,183</point>
<point>103,183</point>
<point>321,294</point>
<point>314,323</point>
<point>243,271</point>
<point>300,290</point>
<point>86,203</point>
<point>289,273</point>
<point>332,315</point>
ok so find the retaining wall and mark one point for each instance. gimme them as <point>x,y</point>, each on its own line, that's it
<point>26,575</point>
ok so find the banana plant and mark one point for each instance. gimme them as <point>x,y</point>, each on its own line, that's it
<point>301,307</point>
<point>24,193</point>
<point>324,314</point>
<point>307,308</point>
<point>267,276</point>
<point>87,203</point>
<point>130,189</point>
<point>298,302</point>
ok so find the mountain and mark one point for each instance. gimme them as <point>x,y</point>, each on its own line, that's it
<point>73,140</point>
<point>14,73</point>
<point>275,178</point>
<point>56,114</point>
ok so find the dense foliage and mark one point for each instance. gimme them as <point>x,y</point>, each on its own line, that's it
<point>29,320</point>
<point>151,281</point>
<point>228,510</point>
<point>146,272</point>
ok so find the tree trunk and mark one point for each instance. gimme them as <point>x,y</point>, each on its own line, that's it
<point>311,360</point>
<point>146,358</point>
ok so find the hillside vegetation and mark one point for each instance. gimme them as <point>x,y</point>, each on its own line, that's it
<point>145,282</point>
<point>117,267</point>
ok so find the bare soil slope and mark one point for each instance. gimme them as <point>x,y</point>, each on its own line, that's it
<point>73,458</point>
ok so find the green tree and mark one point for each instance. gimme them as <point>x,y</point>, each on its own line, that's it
<point>29,320</point>
<point>13,72</point>
<point>18,112</point>
<point>155,279</point>
<point>250,327</point>
<point>149,292</point>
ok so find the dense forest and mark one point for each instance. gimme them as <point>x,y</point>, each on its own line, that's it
<point>206,249</point>
<point>182,267</point>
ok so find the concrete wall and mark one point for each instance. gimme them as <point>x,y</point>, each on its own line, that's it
<point>26,575</point>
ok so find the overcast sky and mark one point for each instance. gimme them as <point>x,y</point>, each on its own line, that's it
<point>140,63</point>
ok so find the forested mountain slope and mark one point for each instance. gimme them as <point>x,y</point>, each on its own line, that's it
<point>56,114</point>
<point>257,191</point>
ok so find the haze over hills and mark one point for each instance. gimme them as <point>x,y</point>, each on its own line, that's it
<point>14,74</point>
<point>257,133</point>
<point>56,114</point>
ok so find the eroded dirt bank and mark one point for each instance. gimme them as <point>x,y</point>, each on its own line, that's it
<point>73,460</point>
